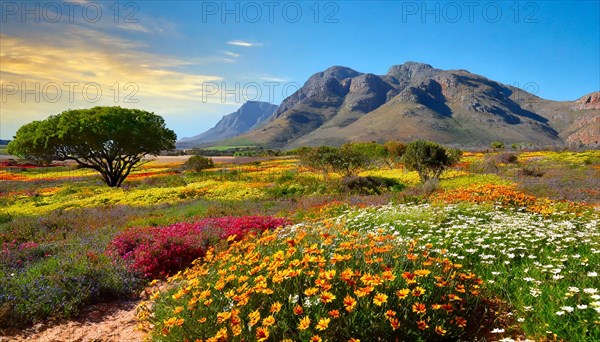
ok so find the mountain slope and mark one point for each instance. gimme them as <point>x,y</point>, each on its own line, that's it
<point>250,115</point>
<point>415,100</point>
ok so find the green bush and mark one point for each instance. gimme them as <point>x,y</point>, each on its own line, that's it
<point>198,163</point>
<point>429,159</point>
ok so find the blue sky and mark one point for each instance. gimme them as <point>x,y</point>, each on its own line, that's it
<point>177,58</point>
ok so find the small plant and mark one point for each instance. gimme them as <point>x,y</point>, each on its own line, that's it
<point>198,163</point>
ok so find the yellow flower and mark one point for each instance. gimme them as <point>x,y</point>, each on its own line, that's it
<point>327,297</point>
<point>268,321</point>
<point>323,323</point>
<point>304,323</point>
<point>262,334</point>
<point>440,331</point>
<point>353,340</point>
<point>422,273</point>
<point>177,310</point>
<point>221,334</point>
<point>275,307</point>
<point>402,293</point>
<point>311,291</point>
<point>316,338</point>
<point>417,291</point>
<point>254,317</point>
<point>379,299</point>
<point>222,317</point>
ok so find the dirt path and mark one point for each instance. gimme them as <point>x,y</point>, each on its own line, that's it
<point>101,322</point>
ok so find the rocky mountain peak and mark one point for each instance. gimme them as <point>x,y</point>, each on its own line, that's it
<point>406,71</point>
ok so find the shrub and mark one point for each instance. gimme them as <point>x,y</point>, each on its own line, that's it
<point>502,158</point>
<point>497,145</point>
<point>531,171</point>
<point>429,159</point>
<point>394,152</point>
<point>155,252</point>
<point>319,282</point>
<point>198,163</point>
<point>370,185</point>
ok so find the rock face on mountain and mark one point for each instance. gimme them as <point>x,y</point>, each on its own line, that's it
<point>418,101</point>
<point>250,115</point>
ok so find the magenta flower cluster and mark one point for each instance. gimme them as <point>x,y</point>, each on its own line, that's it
<point>156,252</point>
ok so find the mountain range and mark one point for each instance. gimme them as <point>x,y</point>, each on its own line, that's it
<point>413,101</point>
<point>250,115</point>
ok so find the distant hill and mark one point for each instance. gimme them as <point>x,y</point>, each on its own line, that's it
<point>251,115</point>
<point>4,142</point>
<point>414,100</point>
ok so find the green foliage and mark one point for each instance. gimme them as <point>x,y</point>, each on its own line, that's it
<point>394,152</point>
<point>349,160</point>
<point>429,159</point>
<point>198,163</point>
<point>497,145</point>
<point>110,140</point>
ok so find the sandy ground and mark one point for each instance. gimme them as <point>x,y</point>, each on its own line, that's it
<point>101,322</point>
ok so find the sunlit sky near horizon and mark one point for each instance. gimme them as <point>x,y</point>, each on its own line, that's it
<point>194,61</point>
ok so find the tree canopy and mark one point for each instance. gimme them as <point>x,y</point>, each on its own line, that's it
<point>110,140</point>
<point>429,159</point>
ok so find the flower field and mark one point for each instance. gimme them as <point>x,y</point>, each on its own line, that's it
<point>269,249</point>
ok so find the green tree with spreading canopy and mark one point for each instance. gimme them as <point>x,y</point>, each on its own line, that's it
<point>110,140</point>
<point>429,159</point>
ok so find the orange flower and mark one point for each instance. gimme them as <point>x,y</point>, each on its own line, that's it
<point>395,323</point>
<point>418,291</point>
<point>298,310</point>
<point>448,307</point>
<point>334,313</point>
<point>316,338</point>
<point>379,299</point>
<point>353,340</point>
<point>409,277</point>
<point>363,291</point>
<point>173,321</point>
<point>440,331</point>
<point>402,293</point>
<point>304,323</point>
<point>390,314</point>
<point>323,323</point>
<point>388,276</point>
<point>262,334</point>
<point>349,303</point>
<point>419,308</point>
<point>461,322</point>
<point>422,325</point>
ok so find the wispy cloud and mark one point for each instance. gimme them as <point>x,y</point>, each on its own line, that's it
<point>231,54</point>
<point>243,43</point>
